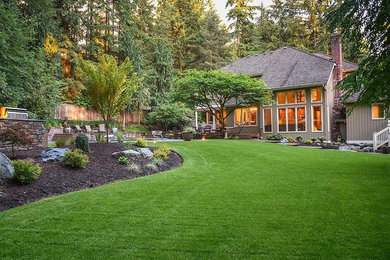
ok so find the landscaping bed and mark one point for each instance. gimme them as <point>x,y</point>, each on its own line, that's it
<point>57,179</point>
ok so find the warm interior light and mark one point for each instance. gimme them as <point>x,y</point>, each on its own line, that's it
<point>203,138</point>
<point>3,112</point>
<point>154,141</point>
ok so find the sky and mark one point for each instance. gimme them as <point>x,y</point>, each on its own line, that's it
<point>220,7</point>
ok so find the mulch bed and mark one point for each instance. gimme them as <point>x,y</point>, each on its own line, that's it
<point>58,179</point>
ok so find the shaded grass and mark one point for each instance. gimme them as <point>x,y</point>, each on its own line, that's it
<point>235,199</point>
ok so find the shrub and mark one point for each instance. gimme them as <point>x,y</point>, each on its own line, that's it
<point>290,139</point>
<point>275,137</point>
<point>322,139</point>
<point>133,168</point>
<point>158,161</point>
<point>314,139</point>
<point>61,142</point>
<point>162,152</point>
<point>189,130</point>
<point>128,145</point>
<point>15,135</point>
<point>99,138</point>
<point>82,143</point>
<point>76,159</point>
<point>299,138</point>
<point>140,142</point>
<point>123,160</point>
<point>26,171</point>
<point>120,138</point>
<point>151,166</point>
<point>308,141</point>
<point>72,141</point>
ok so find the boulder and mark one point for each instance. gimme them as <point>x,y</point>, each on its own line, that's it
<point>368,149</point>
<point>126,153</point>
<point>145,152</point>
<point>6,169</point>
<point>53,154</point>
<point>284,140</point>
<point>345,148</point>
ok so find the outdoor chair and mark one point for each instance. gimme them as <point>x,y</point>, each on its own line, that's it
<point>207,129</point>
<point>78,129</point>
<point>157,134</point>
<point>88,129</point>
<point>102,128</point>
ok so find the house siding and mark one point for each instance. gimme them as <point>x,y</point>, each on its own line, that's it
<point>361,126</point>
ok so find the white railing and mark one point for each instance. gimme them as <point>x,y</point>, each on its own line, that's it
<point>381,137</point>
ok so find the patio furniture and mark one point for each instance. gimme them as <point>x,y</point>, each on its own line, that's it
<point>102,128</point>
<point>89,130</point>
<point>207,129</point>
<point>157,134</point>
<point>78,129</point>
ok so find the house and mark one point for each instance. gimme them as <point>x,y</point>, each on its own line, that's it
<point>306,102</point>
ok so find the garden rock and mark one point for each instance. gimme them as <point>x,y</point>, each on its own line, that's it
<point>284,140</point>
<point>6,169</point>
<point>126,153</point>
<point>368,149</point>
<point>53,154</point>
<point>345,148</point>
<point>145,152</point>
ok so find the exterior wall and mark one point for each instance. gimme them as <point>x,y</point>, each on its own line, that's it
<point>34,127</point>
<point>361,126</point>
<point>326,115</point>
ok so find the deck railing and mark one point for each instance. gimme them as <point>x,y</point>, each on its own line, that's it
<point>382,137</point>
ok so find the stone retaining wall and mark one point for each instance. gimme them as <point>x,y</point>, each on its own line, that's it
<point>34,127</point>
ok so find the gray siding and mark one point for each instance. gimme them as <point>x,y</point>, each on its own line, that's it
<point>361,126</point>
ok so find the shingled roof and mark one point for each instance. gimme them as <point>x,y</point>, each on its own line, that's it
<point>347,65</point>
<point>285,67</point>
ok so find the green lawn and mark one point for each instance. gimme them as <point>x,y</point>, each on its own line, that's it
<point>236,199</point>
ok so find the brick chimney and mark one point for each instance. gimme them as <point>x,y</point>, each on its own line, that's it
<point>337,55</point>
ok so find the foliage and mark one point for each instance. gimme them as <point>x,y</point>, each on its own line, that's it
<point>82,143</point>
<point>140,142</point>
<point>61,142</point>
<point>189,130</point>
<point>76,159</point>
<point>308,141</point>
<point>25,171</point>
<point>213,89</point>
<point>128,145</point>
<point>123,160</point>
<point>151,166</point>
<point>100,138</point>
<point>314,138</point>
<point>134,168</point>
<point>137,129</point>
<point>290,139</point>
<point>275,137</point>
<point>322,139</point>
<point>158,161</point>
<point>120,138</point>
<point>299,138</point>
<point>162,152</point>
<point>108,86</point>
<point>170,115</point>
<point>15,135</point>
<point>366,25</point>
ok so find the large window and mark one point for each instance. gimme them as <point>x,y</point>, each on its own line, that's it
<point>317,118</point>
<point>291,97</point>
<point>267,120</point>
<point>378,111</point>
<point>316,95</point>
<point>292,119</point>
<point>246,116</point>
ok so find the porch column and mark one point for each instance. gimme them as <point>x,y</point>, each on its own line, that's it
<point>214,125</point>
<point>196,120</point>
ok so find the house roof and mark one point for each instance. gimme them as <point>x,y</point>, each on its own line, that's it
<point>347,65</point>
<point>353,98</point>
<point>285,67</point>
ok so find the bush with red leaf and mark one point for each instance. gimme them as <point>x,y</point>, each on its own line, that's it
<point>15,135</point>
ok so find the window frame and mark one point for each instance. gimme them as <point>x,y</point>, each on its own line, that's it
<point>311,95</point>
<point>372,112</point>
<point>249,118</point>
<point>322,118</point>
<point>295,97</point>
<point>272,125</point>
<point>296,118</point>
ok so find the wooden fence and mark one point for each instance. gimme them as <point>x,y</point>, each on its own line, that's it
<point>73,112</point>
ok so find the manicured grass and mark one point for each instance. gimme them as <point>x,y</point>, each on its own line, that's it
<point>236,199</point>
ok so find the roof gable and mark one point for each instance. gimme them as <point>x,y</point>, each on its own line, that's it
<point>285,67</point>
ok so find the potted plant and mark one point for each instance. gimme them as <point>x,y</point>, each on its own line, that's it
<point>188,133</point>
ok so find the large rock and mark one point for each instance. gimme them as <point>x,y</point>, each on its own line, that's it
<point>368,149</point>
<point>53,154</point>
<point>6,169</point>
<point>126,153</point>
<point>145,152</point>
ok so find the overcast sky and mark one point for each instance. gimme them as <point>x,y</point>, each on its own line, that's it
<point>220,6</point>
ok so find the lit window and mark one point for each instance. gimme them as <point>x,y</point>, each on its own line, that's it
<point>267,120</point>
<point>316,95</point>
<point>301,96</point>
<point>218,113</point>
<point>246,116</point>
<point>237,116</point>
<point>378,112</point>
<point>253,115</point>
<point>282,119</point>
<point>317,118</point>
<point>291,120</point>
<point>291,97</point>
<point>281,98</point>
<point>301,116</point>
